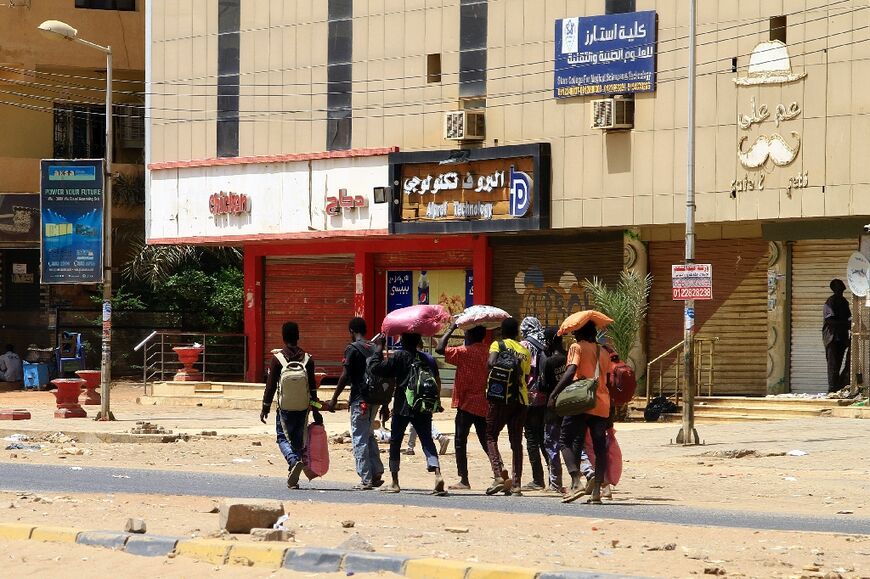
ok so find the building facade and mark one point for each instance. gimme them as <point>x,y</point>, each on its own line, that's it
<point>442,94</point>
<point>52,107</point>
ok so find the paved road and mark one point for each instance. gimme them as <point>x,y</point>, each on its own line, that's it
<point>51,478</point>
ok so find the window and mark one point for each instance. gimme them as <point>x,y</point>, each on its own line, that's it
<point>229,16</point>
<point>79,131</point>
<point>339,76</point>
<point>472,48</point>
<point>619,6</point>
<point>778,27</point>
<point>127,5</point>
<point>433,68</point>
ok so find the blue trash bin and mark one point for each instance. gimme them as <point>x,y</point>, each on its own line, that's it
<point>35,376</point>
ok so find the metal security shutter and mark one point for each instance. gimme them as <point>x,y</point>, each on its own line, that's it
<point>737,315</point>
<point>316,293</point>
<point>545,279</point>
<point>814,264</point>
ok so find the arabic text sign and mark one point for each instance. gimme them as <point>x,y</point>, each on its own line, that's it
<point>72,221</point>
<point>692,281</point>
<point>479,190</point>
<point>399,290</point>
<point>601,55</point>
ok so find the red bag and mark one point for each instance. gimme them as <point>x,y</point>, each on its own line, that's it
<point>621,381</point>
<point>614,457</point>
<point>316,455</point>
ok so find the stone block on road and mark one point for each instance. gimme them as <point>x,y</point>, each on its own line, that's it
<point>137,526</point>
<point>108,539</point>
<point>240,516</point>
<point>282,535</point>
<point>314,560</point>
<point>150,546</point>
<point>371,563</point>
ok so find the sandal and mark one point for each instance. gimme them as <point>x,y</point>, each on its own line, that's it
<point>572,496</point>
<point>496,487</point>
<point>391,490</point>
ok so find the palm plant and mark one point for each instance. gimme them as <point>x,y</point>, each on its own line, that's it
<point>626,305</point>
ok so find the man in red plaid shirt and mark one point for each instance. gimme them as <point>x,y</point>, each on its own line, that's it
<point>469,393</point>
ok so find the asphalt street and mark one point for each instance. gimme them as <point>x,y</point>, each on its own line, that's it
<point>64,479</point>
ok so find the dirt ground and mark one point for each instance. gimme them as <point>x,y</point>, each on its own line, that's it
<point>545,542</point>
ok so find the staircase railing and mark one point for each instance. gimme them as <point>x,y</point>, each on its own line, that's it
<point>224,356</point>
<point>666,371</point>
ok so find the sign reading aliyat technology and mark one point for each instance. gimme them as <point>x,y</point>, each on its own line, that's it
<point>602,55</point>
<point>72,221</point>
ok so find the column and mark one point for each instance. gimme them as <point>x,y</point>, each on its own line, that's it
<point>254,279</point>
<point>777,318</point>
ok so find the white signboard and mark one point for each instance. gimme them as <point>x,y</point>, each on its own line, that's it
<point>241,202</point>
<point>692,281</point>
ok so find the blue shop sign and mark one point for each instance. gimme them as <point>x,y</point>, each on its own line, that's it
<point>604,55</point>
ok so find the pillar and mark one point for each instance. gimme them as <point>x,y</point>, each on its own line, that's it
<point>482,267</point>
<point>777,318</point>
<point>636,259</point>
<point>254,279</point>
<point>364,288</point>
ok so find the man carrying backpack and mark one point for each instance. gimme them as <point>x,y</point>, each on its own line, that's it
<point>533,338</point>
<point>417,397</point>
<point>291,376</point>
<point>363,411</point>
<point>508,395</point>
<point>469,393</point>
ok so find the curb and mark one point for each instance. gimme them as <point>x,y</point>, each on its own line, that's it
<point>280,555</point>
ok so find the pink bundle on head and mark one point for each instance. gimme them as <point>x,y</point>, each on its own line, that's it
<point>426,320</point>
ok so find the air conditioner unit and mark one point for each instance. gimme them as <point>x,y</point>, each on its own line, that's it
<point>613,113</point>
<point>131,126</point>
<point>465,126</point>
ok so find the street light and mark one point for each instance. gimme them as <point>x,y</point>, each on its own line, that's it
<point>58,29</point>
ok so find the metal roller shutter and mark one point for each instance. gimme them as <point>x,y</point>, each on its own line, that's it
<point>316,293</point>
<point>545,279</point>
<point>737,315</point>
<point>814,264</point>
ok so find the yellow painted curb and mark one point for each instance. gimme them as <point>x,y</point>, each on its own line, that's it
<point>211,550</point>
<point>15,531</point>
<point>55,534</point>
<point>500,572</point>
<point>435,569</point>
<point>258,554</point>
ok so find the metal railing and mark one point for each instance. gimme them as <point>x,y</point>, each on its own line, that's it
<point>667,370</point>
<point>224,356</point>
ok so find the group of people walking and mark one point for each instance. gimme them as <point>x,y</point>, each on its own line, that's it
<point>525,407</point>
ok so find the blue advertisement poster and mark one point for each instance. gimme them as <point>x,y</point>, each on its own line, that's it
<point>71,206</point>
<point>604,55</point>
<point>469,288</point>
<point>399,290</point>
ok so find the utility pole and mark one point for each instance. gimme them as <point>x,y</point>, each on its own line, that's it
<point>688,435</point>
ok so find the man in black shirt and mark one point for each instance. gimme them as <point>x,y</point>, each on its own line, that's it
<point>290,424</point>
<point>554,368</point>
<point>835,332</point>
<point>369,467</point>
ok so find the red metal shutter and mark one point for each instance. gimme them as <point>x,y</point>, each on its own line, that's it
<point>316,293</point>
<point>737,315</point>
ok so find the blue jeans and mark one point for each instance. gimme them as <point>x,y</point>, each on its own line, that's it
<point>422,423</point>
<point>365,447</point>
<point>552,431</point>
<point>295,423</point>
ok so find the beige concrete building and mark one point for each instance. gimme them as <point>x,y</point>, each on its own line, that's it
<point>782,184</point>
<point>52,106</point>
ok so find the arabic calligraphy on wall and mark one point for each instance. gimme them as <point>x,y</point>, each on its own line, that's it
<point>479,190</point>
<point>609,54</point>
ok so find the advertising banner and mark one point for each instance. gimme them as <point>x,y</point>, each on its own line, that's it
<point>71,206</point>
<point>692,281</point>
<point>604,55</point>
<point>399,290</point>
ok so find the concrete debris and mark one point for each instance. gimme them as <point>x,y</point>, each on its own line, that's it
<point>348,524</point>
<point>357,542</point>
<point>457,530</point>
<point>148,428</point>
<point>665,547</point>
<point>135,526</point>
<point>240,516</point>
<point>279,535</point>
<point>740,453</point>
<point>713,570</point>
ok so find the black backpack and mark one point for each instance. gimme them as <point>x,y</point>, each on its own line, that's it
<point>422,392</point>
<point>503,384</point>
<point>658,406</point>
<point>375,390</point>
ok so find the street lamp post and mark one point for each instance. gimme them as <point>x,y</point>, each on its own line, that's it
<point>58,29</point>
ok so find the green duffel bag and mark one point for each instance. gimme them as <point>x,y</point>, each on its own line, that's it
<point>579,396</point>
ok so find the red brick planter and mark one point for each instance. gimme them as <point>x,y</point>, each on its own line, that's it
<point>67,395</point>
<point>188,355</point>
<point>92,384</point>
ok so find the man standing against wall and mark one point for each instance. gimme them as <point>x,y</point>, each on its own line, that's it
<point>835,332</point>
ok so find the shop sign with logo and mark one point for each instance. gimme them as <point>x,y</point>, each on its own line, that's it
<point>226,203</point>
<point>495,189</point>
<point>603,55</point>
<point>344,202</point>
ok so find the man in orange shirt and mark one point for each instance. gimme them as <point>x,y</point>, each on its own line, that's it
<point>585,357</point>
<point>469,393</point>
